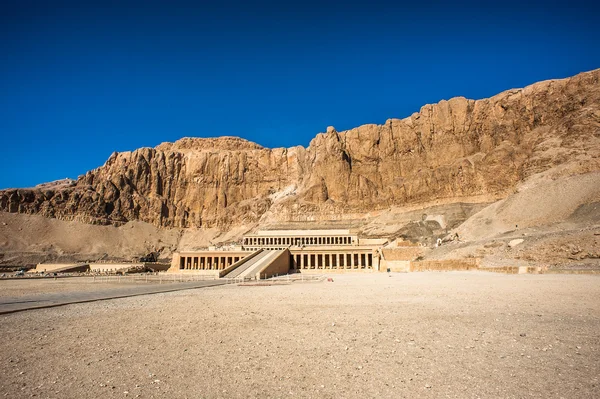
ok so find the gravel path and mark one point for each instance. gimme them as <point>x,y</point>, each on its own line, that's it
<point>457,335</point>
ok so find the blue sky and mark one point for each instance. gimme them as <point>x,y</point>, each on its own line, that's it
<point>79,81</point>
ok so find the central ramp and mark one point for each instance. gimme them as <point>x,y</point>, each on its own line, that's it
<point>264,264</point>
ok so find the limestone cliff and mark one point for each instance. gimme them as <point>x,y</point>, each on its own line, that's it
<point>448,152</point>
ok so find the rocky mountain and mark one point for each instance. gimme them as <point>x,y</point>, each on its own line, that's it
<point>454,151</point>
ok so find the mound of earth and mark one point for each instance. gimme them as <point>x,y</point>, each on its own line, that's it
<point>546,222</point>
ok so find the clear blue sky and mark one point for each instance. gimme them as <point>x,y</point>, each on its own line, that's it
<point>79,81</point>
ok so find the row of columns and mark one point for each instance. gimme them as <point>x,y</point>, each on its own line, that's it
<point>206,262</point>
<point>317,240</point>
<point>352,260</point>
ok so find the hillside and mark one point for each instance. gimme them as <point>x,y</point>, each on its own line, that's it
<point>450,160</point>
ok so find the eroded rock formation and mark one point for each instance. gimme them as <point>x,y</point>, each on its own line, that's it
<point>448,151</point>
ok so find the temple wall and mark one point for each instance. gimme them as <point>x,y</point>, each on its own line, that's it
<point>278,267</point>
<point>444,265</point>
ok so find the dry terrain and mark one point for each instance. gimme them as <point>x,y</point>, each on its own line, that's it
<point>457,335</point>
<point>47,285</point>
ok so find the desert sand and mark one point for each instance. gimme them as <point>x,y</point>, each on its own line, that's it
<point>457,335</point>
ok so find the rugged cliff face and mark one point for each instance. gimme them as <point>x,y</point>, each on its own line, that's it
<point>447,152</point>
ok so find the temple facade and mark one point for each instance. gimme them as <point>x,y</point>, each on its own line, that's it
<point>208,260</point>
<point>297,238</point>
<point>308,251</point>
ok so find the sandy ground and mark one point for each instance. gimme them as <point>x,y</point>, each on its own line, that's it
<point>15,288</point>
<point>18,288</point>
<point>457,335</point>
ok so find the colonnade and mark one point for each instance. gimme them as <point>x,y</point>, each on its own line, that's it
<point>206,262</point>
<point>298,241</point>
<point>335,261</point>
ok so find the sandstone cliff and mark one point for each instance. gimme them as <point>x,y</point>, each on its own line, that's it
<point>453,151</point>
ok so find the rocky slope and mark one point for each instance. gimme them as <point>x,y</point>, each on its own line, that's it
<point>454,151</point>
